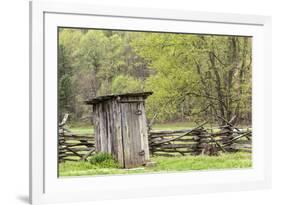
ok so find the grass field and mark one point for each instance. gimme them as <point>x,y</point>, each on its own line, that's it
<point>86,129</point>
<point>89,129</point>
<point>163,164</point>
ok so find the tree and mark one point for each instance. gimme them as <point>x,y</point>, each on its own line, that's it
<point>126,84</point>
<point>68,41</point>
<point>193,77</point>
<point>198,74</point>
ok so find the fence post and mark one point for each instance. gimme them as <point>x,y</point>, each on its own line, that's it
<point>228,130</point>
<point>201,141</point>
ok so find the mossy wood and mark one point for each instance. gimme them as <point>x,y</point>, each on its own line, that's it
<point>121,127</point>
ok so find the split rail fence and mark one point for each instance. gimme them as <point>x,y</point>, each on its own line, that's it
<point>200,141</point>
<point>196,141</point>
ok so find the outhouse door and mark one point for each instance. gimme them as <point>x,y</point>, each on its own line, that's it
<point>134,133</point>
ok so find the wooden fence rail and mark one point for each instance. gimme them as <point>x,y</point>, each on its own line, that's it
<point>166,142</point>
<point>74,147</point>
<point>199,141</point>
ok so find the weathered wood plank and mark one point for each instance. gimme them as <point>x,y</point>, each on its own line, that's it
<point>190,146</point>
<point>118,130</point>
<point>184,134</point>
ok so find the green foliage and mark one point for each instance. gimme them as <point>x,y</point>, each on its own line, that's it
<point>103,160</point>
<point>163,164</point>
<point>193,77</point>
<point>126,84</point>
<point>197,75</point>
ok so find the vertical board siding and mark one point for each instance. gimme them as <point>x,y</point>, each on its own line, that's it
<point>96,121</point>
<point>120,131</point>
<point>144,133</point>
<point>119,139</point>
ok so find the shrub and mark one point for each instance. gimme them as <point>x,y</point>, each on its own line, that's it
<point>104,160</point>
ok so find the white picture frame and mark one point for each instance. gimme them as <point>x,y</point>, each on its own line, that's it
<point>46,187</point>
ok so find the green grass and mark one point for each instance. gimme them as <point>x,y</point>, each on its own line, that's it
<point>163,164</point>
<point>89,129</point>
<point>174,125</point>
<point>86,129</point>
<point>104,160</point>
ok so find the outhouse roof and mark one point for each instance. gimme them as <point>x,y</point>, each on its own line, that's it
<point>99,99</point>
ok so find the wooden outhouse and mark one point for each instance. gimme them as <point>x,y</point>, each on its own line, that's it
<point>121,127</point>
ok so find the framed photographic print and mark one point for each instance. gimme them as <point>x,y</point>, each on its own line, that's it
<point>129,102</point>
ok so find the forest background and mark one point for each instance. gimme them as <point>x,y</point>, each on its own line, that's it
<point>193,77</point>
